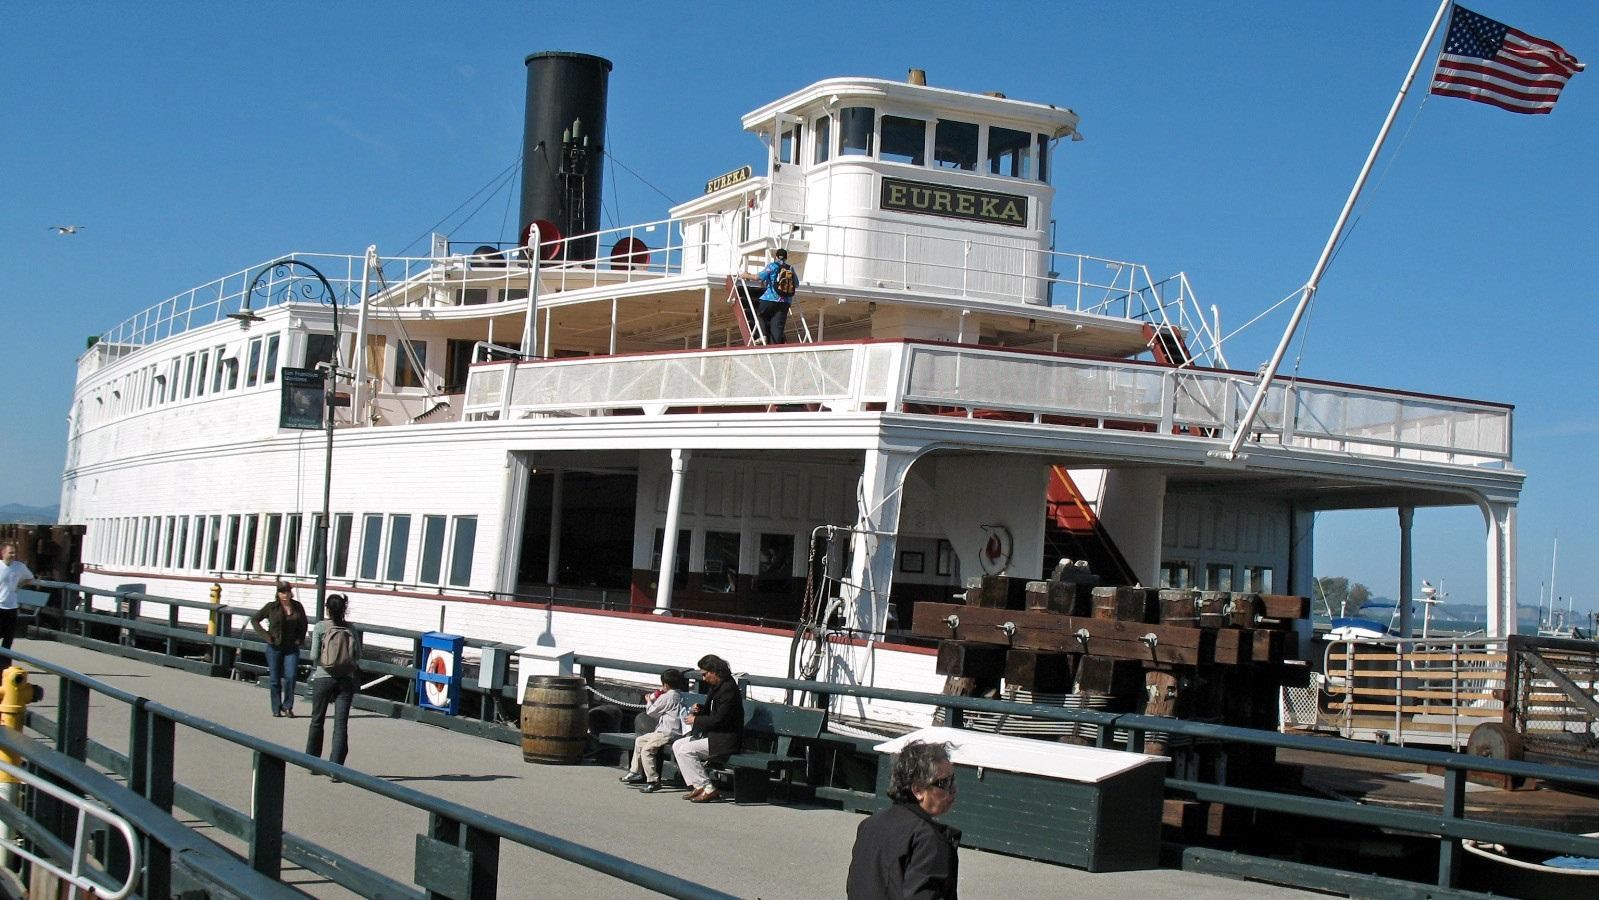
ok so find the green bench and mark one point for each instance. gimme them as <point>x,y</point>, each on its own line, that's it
<point>623,740</point>
<point>769,733</point>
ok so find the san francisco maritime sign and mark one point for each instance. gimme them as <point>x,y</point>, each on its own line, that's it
<point>956,203</point>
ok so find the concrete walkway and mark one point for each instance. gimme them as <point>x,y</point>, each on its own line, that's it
<point>752,851</point>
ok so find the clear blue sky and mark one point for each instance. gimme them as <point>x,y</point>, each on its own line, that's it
<point>192,140</point>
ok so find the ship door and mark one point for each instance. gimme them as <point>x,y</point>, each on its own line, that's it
<point>581,520</point>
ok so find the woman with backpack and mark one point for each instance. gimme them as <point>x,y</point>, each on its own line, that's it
<point>781,283</point>
<point>338,664</point>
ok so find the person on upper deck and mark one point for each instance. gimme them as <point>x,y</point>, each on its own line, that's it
<point>719,720</point>
<point>781,283</point>
<point>900,851</point>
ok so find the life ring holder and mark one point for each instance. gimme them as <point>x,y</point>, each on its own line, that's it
<point>994,556</point>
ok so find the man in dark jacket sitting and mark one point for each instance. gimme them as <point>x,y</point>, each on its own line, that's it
<point>900,851</point>
<point>720,723</point>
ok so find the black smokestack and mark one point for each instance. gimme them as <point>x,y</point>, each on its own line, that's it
<point>563,145</point>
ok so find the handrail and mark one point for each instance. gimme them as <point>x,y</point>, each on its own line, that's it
<point>561,848</point>
<point>86,808</point>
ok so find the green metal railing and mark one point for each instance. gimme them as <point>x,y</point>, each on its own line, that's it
<point>458,857</point>
<point>1449,823</point>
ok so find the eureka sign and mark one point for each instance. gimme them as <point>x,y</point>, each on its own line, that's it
<point>920,197</point>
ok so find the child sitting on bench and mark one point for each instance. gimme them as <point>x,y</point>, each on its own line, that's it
<point>666,705</point>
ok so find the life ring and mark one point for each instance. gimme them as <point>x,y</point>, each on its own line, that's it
<point>438,692</point>
<point>994,556</point>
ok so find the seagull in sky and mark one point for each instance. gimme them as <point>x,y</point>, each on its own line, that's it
<point>64,229</point>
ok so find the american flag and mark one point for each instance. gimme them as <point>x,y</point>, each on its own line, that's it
<point>1490,62</point>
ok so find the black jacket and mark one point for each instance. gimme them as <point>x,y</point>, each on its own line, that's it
<point>902,852</point>
<point>722,719</point>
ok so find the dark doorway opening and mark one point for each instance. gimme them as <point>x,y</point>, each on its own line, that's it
<point>596,548</point>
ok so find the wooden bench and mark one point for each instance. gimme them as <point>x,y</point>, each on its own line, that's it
<point>769,733</point>
<point>623,740</point>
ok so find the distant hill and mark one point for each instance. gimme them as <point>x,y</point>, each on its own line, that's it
<point>16,513</point>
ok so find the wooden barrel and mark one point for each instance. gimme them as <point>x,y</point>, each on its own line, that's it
<point>555,720</point>
<point>1177,607</point>
<point>1213,607</point>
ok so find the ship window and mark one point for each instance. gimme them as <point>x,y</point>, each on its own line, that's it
<point>513,294</point>
<point>1259,580</point>
<point>472,297</point>
<point>172,541</point>
<point>291,545</point>
<point>1009,152</point>
<point>252,369</point>
<point>788,144</point>
<point>457,363</point>
<point>371,546</point>
<point>180,547</point>
<point>822,134</point>
<point>407,375</point>
<point>904,140</point>
<point>232,564</point>
<point>855,127</point>
<point>1043,157</point>
<point>232,365</point>
<point>399,545</point>
<point>432,550</point>
<point>721,562</point>
<point>270,370</point>
<point>160,389</point>
<point>188,376</point>
<point>343,525</point>
<point>318,349</point>
<point>1176,575</point>
<point>252,530</point>
<point>1219,577</point>
<point>776,564</point>
<point>216,379</point>
<point>680,569</point>
<point>214,529</point>
<point>955,145</point>
<point>200,367</point>
<point>461,550</point>
<point>197,551</point>
<point>274,530</point>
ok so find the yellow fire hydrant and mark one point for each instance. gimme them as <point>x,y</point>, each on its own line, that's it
<point>15,695</point>
<point>213,625</point>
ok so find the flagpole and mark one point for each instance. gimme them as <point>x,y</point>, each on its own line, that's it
<point>1309,289</point>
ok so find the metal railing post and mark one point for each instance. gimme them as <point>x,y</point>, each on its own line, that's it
<point>266,838</point>
<point>1450,856</point>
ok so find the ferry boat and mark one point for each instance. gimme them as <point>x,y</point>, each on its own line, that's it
<point>586,442</point>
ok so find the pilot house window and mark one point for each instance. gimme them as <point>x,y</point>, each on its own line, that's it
<point>955,145</point>
<point>855,126</point>
<point>823,135</point>
<point>1010,152</point>
<point>904,140</point>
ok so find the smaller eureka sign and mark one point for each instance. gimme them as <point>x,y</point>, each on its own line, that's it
<point>920,197</point>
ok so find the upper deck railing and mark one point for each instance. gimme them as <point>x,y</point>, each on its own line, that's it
<point>1047,389</point>
<point>842,255</point>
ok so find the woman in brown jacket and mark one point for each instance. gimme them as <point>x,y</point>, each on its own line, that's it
<point>285,631</point>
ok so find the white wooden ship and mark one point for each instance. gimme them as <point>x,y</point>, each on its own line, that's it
<point>587,446</point>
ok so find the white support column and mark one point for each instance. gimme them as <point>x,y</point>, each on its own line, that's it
<point>509,550</point>
<point>674,508</point>
<point>1501,586</point>
<point>557,491</point>
<point>877,524</point>
<point>1407,518</point>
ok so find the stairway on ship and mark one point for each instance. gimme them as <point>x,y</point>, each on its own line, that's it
<point>1072,530</point>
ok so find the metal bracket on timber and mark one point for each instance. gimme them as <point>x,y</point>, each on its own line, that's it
<point>1052,631</point>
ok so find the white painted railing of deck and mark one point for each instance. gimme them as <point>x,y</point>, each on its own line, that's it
<point>908,377</point>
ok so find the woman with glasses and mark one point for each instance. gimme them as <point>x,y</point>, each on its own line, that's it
<point>284,633</point>
<point>900,851</point>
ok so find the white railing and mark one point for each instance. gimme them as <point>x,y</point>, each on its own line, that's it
<point>78,874</point>
<point>1044,389</point>
<point>1412,690</point>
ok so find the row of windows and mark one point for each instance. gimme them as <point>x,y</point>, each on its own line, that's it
<point>275,542</point>
<point>1218,577</point>
<point>948,143</point>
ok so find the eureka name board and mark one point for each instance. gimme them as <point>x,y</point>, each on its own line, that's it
<point>920,197</point>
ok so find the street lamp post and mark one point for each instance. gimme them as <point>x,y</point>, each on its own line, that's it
<point>281,277</point>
